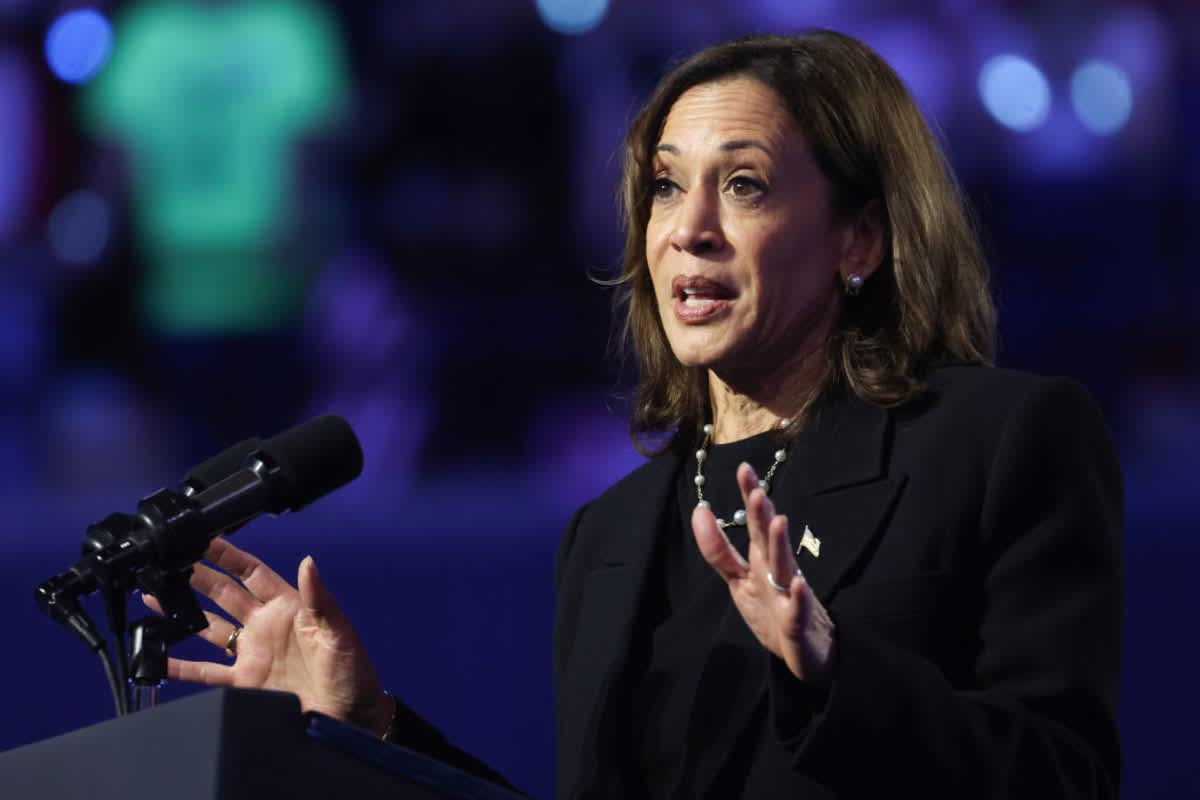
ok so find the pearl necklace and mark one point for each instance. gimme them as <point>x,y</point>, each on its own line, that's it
<point>739,516</point>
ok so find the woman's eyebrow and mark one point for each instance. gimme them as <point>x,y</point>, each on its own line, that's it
<point>736,144</point>
<point>743,144</point>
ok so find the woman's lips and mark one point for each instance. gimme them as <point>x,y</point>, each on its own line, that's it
<point>698,299</point>
<point>696,308</point>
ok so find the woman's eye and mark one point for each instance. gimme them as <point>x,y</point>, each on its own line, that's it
<point>743,187</point>
<point>662,189</point>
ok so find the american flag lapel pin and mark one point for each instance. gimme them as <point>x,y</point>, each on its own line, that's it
<point>810,543</point>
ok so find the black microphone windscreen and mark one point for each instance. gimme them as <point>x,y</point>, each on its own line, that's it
<point>221,466</point>
<point>314,458</point>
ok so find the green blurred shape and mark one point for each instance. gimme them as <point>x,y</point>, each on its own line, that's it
<point>208,100</point>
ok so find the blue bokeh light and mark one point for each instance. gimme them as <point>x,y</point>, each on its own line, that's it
<point>1102,96</point>
<point>572,17</point>
<point>78,45</point>
<point>1015,92</point>
<point>79,227</point>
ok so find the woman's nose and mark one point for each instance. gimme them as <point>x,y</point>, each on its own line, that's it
<point>698,227</point>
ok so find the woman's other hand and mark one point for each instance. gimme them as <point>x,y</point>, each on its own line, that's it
<point>792,623</point>
<point>293,640</point>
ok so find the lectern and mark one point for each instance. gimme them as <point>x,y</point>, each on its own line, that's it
<point>229,744</point>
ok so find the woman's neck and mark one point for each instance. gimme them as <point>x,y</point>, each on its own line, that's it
<point>745,405</point>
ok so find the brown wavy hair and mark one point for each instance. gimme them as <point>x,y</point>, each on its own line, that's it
<point>928,301</point>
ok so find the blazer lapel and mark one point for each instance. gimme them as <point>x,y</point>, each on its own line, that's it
<point>841,494</point>
<point>836,487</point>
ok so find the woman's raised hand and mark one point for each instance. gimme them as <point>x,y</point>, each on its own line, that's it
<point>768,589</point>
<point>291,640</point>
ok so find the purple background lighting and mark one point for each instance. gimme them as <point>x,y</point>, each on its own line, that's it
<point>445,222</point>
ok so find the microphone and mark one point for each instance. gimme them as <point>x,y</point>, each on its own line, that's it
<point>198,478</point>
<point>171,529</point>
<point>220,466</point>
<point>284,473</point>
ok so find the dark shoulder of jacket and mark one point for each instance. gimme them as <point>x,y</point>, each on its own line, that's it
<point>969,409</point>
<point>987,394</point>
<point>623,493</point>
<point>628,489</point>
<point>996,413</point>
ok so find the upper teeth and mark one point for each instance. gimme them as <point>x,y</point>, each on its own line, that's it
<point>690,291</point>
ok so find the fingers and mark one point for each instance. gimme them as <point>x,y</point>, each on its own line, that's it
<point>793,624</point>
<point>747,480</point>
<point>314,596</point>
<point>780,560</point>
<point>223,590</point>
<point>797,613</point>
<point>759,513</point>
<point>715,547</point>
<point>767,531</point>
<point>152,603</point>
<point>204,672</point>
<point>264,582</point>
<point>218,631</point>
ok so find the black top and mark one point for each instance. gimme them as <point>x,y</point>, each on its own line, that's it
<point>970,561</point>
<point>685,595</point>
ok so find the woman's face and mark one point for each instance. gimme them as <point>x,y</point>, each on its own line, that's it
<point>741,243</point>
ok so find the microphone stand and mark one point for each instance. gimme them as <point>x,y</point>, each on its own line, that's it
<point>154,550</point>
<point>151,636</point>
<point>114,586</point>
<point>57,599</point>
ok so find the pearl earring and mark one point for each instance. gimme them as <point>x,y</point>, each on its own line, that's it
<point>854,284</point>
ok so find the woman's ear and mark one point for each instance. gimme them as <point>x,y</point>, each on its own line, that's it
<point>865,237</point>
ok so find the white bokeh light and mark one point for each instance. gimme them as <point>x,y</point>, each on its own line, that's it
<point>1015,92</point>
<point>572,17</point>
<point>1102,96</point>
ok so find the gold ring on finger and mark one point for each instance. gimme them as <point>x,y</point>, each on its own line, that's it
<point>231,642</point>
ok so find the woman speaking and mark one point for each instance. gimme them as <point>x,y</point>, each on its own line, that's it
<point>862,561</point>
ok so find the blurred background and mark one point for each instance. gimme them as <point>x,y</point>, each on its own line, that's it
<point>218,218</point>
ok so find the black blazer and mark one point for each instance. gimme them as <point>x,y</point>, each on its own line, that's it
<point>970,558</point>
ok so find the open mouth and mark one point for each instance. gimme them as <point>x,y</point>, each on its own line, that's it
<point>695,289</point>
<point>699,299</point>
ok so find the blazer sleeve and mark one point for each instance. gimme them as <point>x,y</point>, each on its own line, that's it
<point>567,607</point>
<point>1038,719</point>
<point>414,732</point>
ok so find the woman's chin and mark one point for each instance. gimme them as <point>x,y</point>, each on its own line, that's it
<point>722,344</point>
<point>704,357</point>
